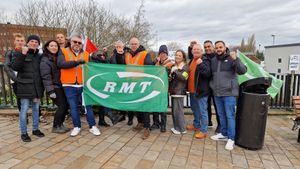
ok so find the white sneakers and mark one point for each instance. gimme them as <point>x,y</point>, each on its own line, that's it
<point>219,136</point>
<point>229,145</point>
<point>174,131</point>
<point>94,130</point>
<point>75,131</point>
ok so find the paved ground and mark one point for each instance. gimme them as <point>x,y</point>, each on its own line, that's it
<point>120,147</point>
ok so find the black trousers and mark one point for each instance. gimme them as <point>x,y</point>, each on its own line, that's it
<point>14,85</point>
<point>163,118</point>
<point>62,107</point>
<point>211,97</point>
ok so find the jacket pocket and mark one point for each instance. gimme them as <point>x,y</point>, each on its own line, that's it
<point>25,86</point>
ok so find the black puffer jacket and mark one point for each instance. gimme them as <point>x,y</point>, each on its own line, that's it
<point>50,73</point>
<point>202,78</point>
<point>29,82</point>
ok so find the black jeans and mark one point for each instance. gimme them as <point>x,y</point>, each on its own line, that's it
<point>62,107</point>
<point>211,97</point>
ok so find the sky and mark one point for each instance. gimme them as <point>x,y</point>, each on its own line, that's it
<point>230,20</point>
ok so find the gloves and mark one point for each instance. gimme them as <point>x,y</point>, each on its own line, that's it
<point>52,95</point>
<point>81,61</point>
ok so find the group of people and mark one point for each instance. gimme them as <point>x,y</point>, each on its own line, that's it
<point>208,76</point>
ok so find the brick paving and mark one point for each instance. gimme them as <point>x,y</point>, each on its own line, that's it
<point>120,147</point>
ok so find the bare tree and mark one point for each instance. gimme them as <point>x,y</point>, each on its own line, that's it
<point>173,46</point>
<point>91,19</point>
<point>250,46</point>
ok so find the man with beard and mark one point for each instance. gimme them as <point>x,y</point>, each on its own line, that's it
<point>225,67</point>
<point>137,55</point>
<point>210,53</point>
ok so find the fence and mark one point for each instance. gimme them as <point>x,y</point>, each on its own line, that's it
<point>291,87</point>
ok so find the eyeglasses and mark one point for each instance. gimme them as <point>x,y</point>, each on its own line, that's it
<point>79,43</point>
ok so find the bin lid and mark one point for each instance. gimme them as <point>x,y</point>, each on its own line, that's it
<point>261,81</point>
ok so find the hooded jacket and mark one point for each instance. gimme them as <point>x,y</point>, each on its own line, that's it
<point>224,80</point>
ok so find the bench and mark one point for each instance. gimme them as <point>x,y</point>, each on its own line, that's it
<point>296,103</point>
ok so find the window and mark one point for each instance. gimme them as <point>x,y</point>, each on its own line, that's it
<point>279,60</point>
<point>278,70</point>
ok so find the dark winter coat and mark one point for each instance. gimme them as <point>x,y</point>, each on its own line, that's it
<point>7,65</point>
<point>117,58</point>
<point>178,81</point>
<point>224,80</point>
<point>202,78</point>
<point>29,82</point>
<point>50,73</point>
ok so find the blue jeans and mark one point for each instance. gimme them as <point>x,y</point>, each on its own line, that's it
<point>199,108</point>
<point>226,111</point>
<point>73,95</point>
<point>23,115</point>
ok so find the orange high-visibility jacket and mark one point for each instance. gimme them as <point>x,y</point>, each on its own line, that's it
<point>73,75</point>
<point>138,59</point>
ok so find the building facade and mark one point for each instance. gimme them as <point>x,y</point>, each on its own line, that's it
<point>277,57</point>
<point>7,32</point>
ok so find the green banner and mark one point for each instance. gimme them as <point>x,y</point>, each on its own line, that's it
<point>255,70</point>
<point>126,87</point>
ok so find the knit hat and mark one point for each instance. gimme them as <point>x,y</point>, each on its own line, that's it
<point>164,49</point>
<point>33,37</point>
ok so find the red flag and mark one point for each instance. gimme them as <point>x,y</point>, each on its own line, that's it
<point>90,47</point>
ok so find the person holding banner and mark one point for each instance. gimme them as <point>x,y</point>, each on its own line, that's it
<point>178,79</point>
<point>225,67</point>
<point>137,55</point>
<point>162,60</point>
<point>71,61</point>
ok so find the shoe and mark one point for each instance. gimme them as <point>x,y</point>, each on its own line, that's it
<point>95,131</point>
<point>60,130</point>
<point>25,138</point>
<point>129,123</point>
<point>175,131</point>
<point>184,132</point>
<point>210,125</point>
<point>146,133</point>
<point>38,133</point>
<point>114,118</point>
<point>75,131</point>
<point>163,128</point>
<point>200,135</point>
<point>191,127</point>
<point>219,136</point>
<point>138,127</point>
<point>122,118</point>
<point>103,123</point>
<point>155,126</point>
<point>229,145</point>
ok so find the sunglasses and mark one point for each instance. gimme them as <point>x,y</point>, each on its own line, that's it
<point>79,43</point>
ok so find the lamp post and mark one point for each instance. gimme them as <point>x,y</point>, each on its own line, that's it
<point>273,39</point>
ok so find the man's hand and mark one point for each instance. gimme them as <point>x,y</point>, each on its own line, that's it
<point>199,61</point>
<point>52,95</point>
<point>24,50</point>
<point>233,55</point>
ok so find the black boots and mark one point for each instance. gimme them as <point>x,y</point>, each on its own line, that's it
<point>163,122</point>
<point>38,133</point>
<point>60,129</point>
<point>25,138</point>
<point>102,121</point>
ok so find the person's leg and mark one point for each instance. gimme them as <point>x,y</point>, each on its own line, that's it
<point>204,115</point>
<point>130,118</point>
<point>209,98</point>
<point>90,116</point>
<point>163,123</point>
<point>72,98</point>
<point>101,112</point>
<point>23,115</point>
<point>180,115</point>
<point>156,122</point>
<point>230,103</point>
<point>195,108</point>
<point>35,115</point>
<point>222,114</point>
<point>146,125</point>
<point>218,128</point>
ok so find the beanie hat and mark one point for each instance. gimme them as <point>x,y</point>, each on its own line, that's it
<point>33,37</point>
<point>164,49</point>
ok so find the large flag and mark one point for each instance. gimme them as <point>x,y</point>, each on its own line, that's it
<point>126,87</point>
<point>89,46</point>
<point>255,70</point>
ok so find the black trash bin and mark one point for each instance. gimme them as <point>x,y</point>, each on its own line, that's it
<point>252,111</point>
